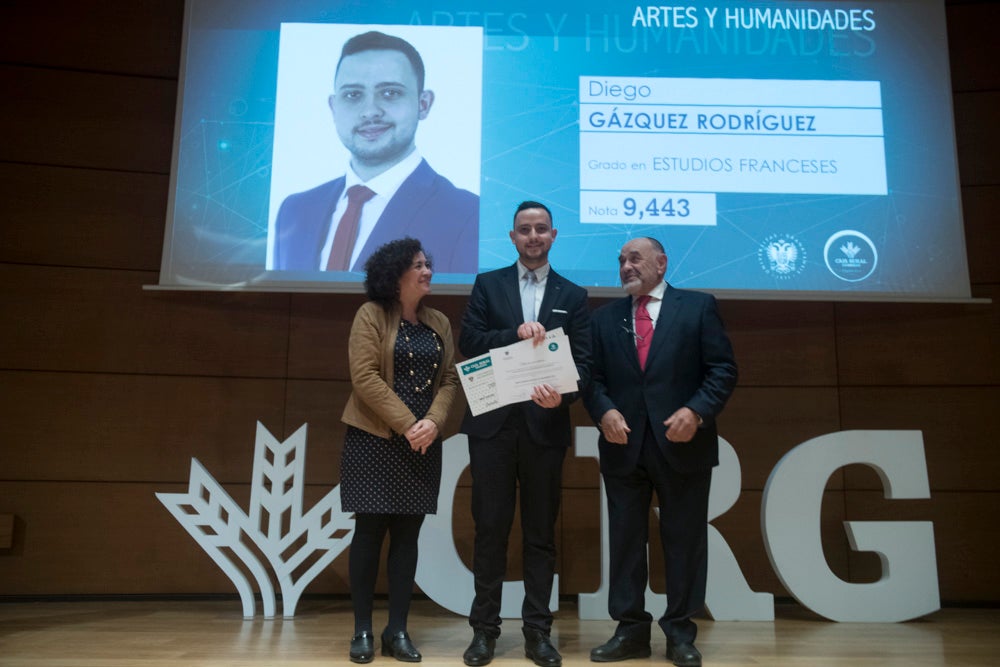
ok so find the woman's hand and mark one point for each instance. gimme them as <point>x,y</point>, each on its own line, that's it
<point>421,435</point>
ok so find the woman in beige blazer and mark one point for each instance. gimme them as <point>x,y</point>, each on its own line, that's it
<point>403,378</point>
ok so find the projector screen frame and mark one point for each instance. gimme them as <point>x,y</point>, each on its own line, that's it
<point>496,210</point>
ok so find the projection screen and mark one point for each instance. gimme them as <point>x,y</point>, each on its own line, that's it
<point>778,149</point>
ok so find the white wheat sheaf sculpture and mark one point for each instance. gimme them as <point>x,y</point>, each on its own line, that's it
<point>295,546</point>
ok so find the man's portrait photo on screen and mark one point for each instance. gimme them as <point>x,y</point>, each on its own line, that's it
<point>376,137</point>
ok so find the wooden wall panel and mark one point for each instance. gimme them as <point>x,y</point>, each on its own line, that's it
<point>64,529</point>
<point>763,423</point>
<point>117,539</point>
<point>981,210</point>
<point>740,528</point>
<point>6,531</point>
<point>97,121</point>
<point>921,344</point>
<point>454,421</point>
<point>579,559</point>
<point>579,472</point>
<point>320,325</point>
<point>142,38</point>
<point>959,427</point>
<point>964,537</point>
<point>318,404</point>
<point>103,321</point>
<point>782,343</point>
<point>978,137</point>
<point>114,388</point>
<point>464,531</point>
<point>971,38</point>
<point>82,217</point>
<point>79,538</point>
<point>97,427</point>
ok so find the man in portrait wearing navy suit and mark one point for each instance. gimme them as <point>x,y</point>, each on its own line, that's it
<point>663,370</point>
<point>389,191</point>
<point>520,447</point>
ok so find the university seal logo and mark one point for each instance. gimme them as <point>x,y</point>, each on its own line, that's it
<point>782,256</point>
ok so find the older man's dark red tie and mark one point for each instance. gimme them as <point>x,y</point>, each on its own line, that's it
<point>643,329</point>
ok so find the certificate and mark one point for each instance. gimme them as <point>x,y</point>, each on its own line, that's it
<point>479,384</point>
<point>520,367</point>
<point>507,375</point>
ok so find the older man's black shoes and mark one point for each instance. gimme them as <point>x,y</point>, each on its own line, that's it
<point>620,648</point>
<point>683,654</point>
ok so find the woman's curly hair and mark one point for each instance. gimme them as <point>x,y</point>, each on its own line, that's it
<point>386,266</point>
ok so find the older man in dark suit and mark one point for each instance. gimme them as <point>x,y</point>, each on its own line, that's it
<point>522,445</point>
<point>663,370</point>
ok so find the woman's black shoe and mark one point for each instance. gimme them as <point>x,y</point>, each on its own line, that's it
<point>400,647</point>
<point>363,647</point>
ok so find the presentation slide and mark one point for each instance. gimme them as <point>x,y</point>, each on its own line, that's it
<point>778,149</point>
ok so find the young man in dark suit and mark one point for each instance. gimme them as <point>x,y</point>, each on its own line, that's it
<point>663,370</point>
<point>521,445</point>
<point>378,101</point>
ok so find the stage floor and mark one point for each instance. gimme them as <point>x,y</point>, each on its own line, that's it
<point>198,633</point>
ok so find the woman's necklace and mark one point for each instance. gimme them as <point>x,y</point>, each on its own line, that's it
<point>419,385</point>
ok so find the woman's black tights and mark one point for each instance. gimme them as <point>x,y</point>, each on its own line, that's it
<point>366,549</point>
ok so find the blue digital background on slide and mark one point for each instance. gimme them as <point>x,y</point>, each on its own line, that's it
<point>905,243</point>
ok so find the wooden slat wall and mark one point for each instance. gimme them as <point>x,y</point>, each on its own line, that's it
<point>107,391</point>
<point>6,531</point>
